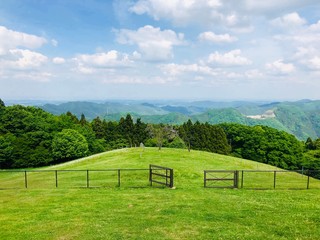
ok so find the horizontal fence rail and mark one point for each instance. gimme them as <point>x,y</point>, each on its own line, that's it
<point>130,177</point>
<point>262,179</point>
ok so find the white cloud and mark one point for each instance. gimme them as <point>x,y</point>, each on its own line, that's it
<point>54,42</point>
<point>123,79</point>
<point>154,44</point>
<point>304,44</point>
<point>307,35</point>
<point>17,61</point>
<point>273,6</point>
<point>216,38</point>
<point>200,12</point>
<point>178,69</point>
<point>109,59</point>
<point>180,11</point>
<point>291,20</point>
<point>83,69</point>
<point>279,67</point>
<point>253,74</point>
<point>41,77</point>
<point>92,63</point>
<point>58,60</point>
<point>230,14</point>
<point>232,58</point>
<point>315,27</point>
<point>23,59</point>
<point>10,39</point>
<point>314,63</point>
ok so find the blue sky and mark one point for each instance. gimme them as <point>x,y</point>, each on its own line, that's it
<point>156,49</point>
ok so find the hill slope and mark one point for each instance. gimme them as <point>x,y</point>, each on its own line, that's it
<point>187,212</point>
<point>188,167</point>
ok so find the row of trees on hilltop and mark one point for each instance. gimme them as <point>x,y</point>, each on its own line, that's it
<point>31,137</point>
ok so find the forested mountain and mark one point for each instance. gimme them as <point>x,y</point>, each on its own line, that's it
<point>301,118</point>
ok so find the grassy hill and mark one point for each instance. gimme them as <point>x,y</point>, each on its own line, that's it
<point>187,212</point>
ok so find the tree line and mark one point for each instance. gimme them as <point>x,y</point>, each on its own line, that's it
<point>31,137</point>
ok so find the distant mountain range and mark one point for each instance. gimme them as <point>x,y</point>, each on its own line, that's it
<point>301,118</point>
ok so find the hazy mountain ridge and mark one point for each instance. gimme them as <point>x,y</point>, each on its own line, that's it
<point>301,118</point>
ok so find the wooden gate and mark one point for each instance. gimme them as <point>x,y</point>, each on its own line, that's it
<point>221,179</point>
<point>161,175</point>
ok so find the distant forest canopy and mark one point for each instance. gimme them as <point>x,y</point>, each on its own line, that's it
<point>301,118</point>
<point>32,137</point>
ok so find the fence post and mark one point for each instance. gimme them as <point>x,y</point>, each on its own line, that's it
<point>150,175</point>
<point>205,178</point>
<point>56,178</point>
<point>167,177</point>
<point>308,181</point>
<point>171,178</point>
<point>118,177</point>
<point>87,178</point>
<point>274,179</point>
<point>236,178</point>
<point>25,179</point>
<point>242,179</point>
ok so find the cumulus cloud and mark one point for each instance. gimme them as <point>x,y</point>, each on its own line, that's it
<point>58,60</point>
<point>314,63</point>
<point>308,35</point>
<point>10,39</point>
<point>178,10</point>
<point>17,61</point>
<point>216,38</point>
<point>178,69</point>
<point>279,67</point>
<point>253,74</point>
<point>232,58</point>
<point>23,59</point>
<point>153,43</point>
<point>304,43</point>
<point>291,20</point>
<point>234,15</point>
<point>89,63</point>
<point>185,12</point>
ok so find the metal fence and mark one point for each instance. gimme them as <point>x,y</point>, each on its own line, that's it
<point>262,179</point>
<point>138,177</point>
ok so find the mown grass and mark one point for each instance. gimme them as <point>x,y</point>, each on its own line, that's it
<point>187,212</point>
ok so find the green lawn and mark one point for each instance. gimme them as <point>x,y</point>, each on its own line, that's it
<point>189,211</point>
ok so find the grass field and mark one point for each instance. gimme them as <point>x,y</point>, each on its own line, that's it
<point>187,212</point>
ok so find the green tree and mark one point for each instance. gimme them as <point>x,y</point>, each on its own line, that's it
<point>265,144</point>
<point>161,134</point>
<point>126,129</point>
<point>317,144</point>
<point>186,133</point>
<point>83,121</point>
<point>140,134</point>
<point>69,144</point>
<point>310,144</point>
<point>98,128</point>
<point>2,105</point>
<point>6,151</point>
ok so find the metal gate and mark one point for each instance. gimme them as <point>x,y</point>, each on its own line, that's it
<point>221,179</point>
<point>161,175</point>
